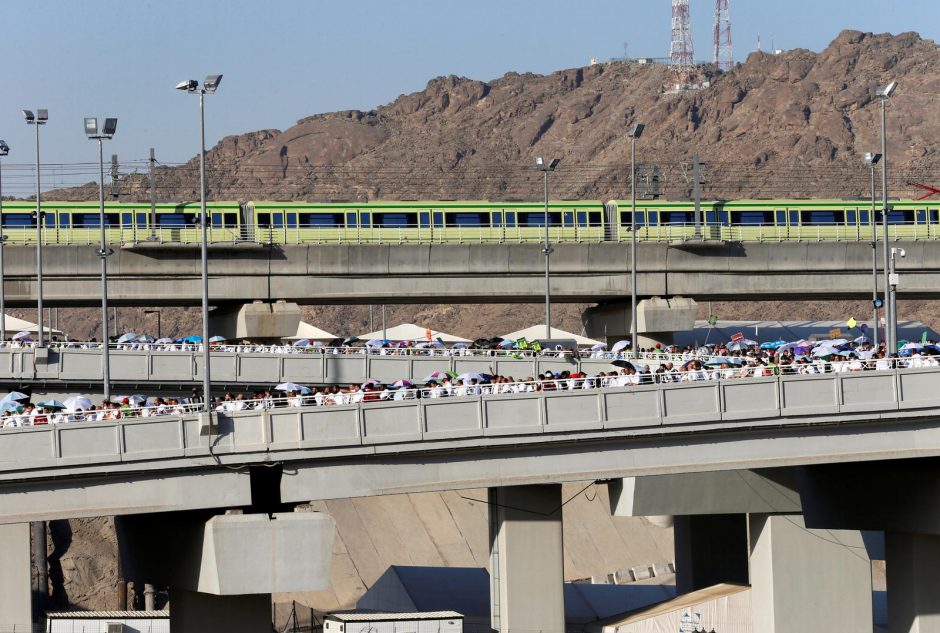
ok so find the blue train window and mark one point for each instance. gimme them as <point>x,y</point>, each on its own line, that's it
<point>497,218</point>
<point>625,218</point>
<point>64,219</point>
<point>510,218</point>
<point>292,220</point>
<point>851,217</point>
<point>567,218</point>
<point>142,219</point>
<point>127,219</point>
<point>822,217</point>
<point>18,219</point>
<point>438,219</point>
<point>365,218</point>
<point>217,220</point>
<point>932,215</point>
<point>677,217</point>
<point>424,218</point>
<point>322,219</point>
<point>277,220</point>
<point>920,216</point>
<point>351,218</point>
<point>754,217</point>
<point>469,218</point>
<point>394,218</point>
<point>537,218</point>
<point>781,217</point>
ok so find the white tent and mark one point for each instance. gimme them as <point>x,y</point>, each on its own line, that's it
<point>14,325</point>
<point>305,330</point>
<point>411,332</point>
<point>537,333</point>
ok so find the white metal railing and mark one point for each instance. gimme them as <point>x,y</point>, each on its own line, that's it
<point>471,385</point>
<point>120,234</point>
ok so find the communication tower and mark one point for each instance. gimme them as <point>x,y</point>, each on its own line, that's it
<point>681,52</point>
<point>723,56</point>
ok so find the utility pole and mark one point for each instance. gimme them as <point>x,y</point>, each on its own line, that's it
<point>115,183</point>
<point>697,192</point>
<point>153,192</point>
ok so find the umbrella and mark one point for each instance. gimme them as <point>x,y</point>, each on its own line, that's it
<point>403,383</point>
<point>598,347</point>
<point>193,339</point>
<point>863,339</point>
<point>304,342</point>
<point>912,346</point>
<point>460,345</point>
<point>619,345</point>
<point>506,344</point>
<point>22,336</point>
<point>77,402</point>
<point>145,338</point>
<point>15,395</point>
<point>427,344</point>
<point>824,350</point>
<point>349,340</point>
<point>772,344</point>
<point>128,337</point>
<point>623,364</point>
<point>288,386</point>
<point>376,342</point>
<point>743,344</point>
<point>217,339</point>
<point>137,399</point>
<point>371,381</point>
<point>470,375</point>
<point>51,404</point>
<point>9,405</point>
<point>164,340</point>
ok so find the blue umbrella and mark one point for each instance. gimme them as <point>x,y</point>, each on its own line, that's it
<point>9,405</point>
<point>193,339</point>
<point>15,395</point>
<point>304,342</point>
<point>129,337</point>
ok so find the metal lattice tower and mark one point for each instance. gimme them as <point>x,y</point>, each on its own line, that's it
<point>723,54</point>
<point>681,52</point>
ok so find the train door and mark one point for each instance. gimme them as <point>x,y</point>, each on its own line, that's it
<point>269,223</point>
<point>858,223</point>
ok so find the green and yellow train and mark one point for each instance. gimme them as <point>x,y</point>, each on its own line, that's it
<point>471,221</point>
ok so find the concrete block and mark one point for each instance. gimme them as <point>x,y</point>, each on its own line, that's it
<point>665,315</point>
<point>15,578</point>
<point>641,572</point>
<point>256,320</point>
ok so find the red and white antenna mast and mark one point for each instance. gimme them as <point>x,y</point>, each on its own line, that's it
<point>723,56</point>
<point>681,52</point>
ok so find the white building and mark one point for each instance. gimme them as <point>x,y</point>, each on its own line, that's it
<point>374,622</point>
<point>108,622</point>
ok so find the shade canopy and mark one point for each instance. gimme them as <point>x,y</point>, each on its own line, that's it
<point>537,333</point>
<point>411,332</point>
<point>13,325</point>
<point>305,330</point>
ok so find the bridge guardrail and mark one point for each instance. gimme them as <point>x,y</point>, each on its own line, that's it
<point>674,408</point>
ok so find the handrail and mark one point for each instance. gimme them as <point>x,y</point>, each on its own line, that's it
<point>363,395</point>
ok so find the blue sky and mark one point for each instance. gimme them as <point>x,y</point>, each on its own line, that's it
<point>286,59</point>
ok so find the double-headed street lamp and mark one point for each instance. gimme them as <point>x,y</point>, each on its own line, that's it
<point>891,320</point>
<point>38,119</point>
<point>635,132</point>
<point>546,168</point>
<point>209,86</point>
<point>871,159</point>
<point>94,134</point>
<point>4,151</point>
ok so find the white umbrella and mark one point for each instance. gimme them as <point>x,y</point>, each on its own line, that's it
<point>136,399</point>
<point>912,346</point>
<point>164,340</point>
<point>128,337</point>
<point>19,336</point>
<point>619,345</point>
<point>77,402</point>
<point>824,350</point>
<point>376,342</point>
<point>598,347</point>
<point>288,386</point>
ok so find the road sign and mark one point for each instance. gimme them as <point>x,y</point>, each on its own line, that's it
<point>737,337</point>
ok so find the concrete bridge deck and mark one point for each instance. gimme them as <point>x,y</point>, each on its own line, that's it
<point>468,273</point>
<point>86,469</point>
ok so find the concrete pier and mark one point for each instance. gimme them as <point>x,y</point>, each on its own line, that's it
<point>913,570</point>
<point>527,559</point>
<point>192,612</point>
<point>16,601</point>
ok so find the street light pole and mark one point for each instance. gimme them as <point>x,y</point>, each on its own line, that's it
<point>209,86</point>
<point>891,333</point>
<point>40,118</point>
<point>545,168</point>
<point>634,133</point>
<point>4,151</point>
<point>871,159</point>
<point>156,312</point>
<point>107,132</point>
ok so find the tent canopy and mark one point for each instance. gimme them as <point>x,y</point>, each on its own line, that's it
<point>537,332</point>
<point>14,325</point>
<point>411,332</point>
<point>305,330</point>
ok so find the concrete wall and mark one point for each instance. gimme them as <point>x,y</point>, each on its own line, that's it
<point>16,605</point>
<point>438,273</point>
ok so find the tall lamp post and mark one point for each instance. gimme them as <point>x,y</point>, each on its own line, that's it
<point>891,321</point>
<point>871,159</point>
<point>209,86</point>
<point>106,132</point>
<point>546,168</point>
<point>635,132</point>
<point>4,151</point>
<point>38,119</point>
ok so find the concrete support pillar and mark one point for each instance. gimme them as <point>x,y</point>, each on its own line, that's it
<point>807,581</point>
<point>657,320</point>
<point>913,575</point>
<point>16,601</point>
<point>527,559</point>
<point>710,549</point>
<point>256,321</point>
<point>192,612</point>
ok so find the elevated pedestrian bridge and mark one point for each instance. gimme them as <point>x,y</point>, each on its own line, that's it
<point>192,461</point>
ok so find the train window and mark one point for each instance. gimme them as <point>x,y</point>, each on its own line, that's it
<point>510,218</point>
<point>64,220</point>
<point>537,218</point>
<point>365,218</point>
<point>932,216</point>
<point>142,219</point>
<point>395,218</point>
<point>567,218</point>
<point>267,220</point>
<point>851,217</point>
<point>625,218</point>
<point>497,218</point>
<point>710,217</point>
<point>277,220</point>
<point>822,217</point>
<point>351,218</point>
<point>900,217</point>
<point>754,217</point>
<point>470,218</point>
<point>92,220</point>
<point>863,216</point>
<point>676,217</point>
<point>781,217</point>
<point>127,219</point>
<point>920,216</point>
<point>18,219</point>
<point>217,220</point>
<point>589,218</point>
<point>323,219</point>
<point>424,218</point>
<point>174,219</point>
<point>48,219</point>
<point>292,220</point>
<point>438,219</point>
